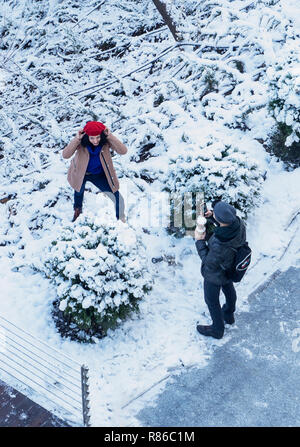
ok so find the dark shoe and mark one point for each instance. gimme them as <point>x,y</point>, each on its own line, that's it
<point>77,212</point>
<point>228,318</point>
<point>208,331</point>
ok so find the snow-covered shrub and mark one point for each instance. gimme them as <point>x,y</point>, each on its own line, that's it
<point>100,274</point>
<point>216,171</point>
<point>285,99</point>
<point>284,106</point>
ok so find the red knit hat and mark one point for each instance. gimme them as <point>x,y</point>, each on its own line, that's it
<point>93,128</point>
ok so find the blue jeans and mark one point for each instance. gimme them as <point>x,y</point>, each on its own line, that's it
<point>212,299</point>
<point>101,182</point>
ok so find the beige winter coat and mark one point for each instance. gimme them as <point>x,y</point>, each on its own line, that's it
<point>80,161</point>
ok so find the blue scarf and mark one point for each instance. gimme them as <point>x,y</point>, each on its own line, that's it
<point>94,165</point>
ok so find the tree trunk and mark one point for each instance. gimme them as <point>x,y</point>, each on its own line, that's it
<point>168,19</point>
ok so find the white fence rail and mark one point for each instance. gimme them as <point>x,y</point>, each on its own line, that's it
<point>56,378</point>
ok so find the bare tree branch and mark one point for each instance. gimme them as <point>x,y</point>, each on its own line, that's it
<point>169,21</point>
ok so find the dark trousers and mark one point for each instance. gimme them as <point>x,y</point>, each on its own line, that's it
<point>101,182</point>
<point>212,299</point>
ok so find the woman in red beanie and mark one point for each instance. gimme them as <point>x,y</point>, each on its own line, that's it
<point>92,162</point>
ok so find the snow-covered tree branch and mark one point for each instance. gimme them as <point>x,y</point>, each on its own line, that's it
<point>172,15</point>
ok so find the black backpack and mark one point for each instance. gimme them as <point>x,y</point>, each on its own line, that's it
<point>241,262</point>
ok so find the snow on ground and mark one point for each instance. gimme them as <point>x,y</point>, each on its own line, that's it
<point>162,339</point>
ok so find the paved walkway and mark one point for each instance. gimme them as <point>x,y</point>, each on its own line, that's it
<point>16,410</point>
<point>253,379</point>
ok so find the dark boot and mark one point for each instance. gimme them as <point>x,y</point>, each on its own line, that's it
<point>209,331</point>
<point>77,212</point>
<point>228,317</point>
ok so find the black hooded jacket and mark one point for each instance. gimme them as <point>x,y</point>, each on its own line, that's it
<point>217,255</point>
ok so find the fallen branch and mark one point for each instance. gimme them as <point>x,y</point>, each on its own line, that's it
<point>104,84</point>
<point>94,9</point>
<point>146,391</point>
<point>92,88</point>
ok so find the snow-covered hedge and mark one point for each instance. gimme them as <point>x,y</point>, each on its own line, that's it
<point>218,170</point>
<point>285,99</point>
<point>100,274</point>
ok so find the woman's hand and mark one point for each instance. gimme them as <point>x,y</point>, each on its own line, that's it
<point>107,132</point>
<point>80,134</point>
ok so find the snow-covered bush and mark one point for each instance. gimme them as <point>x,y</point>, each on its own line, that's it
<point>100,274</point>
<point>285,99</point>
<point>218,170</point>
<point>284,106</point>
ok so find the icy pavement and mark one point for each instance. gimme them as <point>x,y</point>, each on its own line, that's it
<point>253,379</point>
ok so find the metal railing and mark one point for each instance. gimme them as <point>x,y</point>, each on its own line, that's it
<point>35,365</point>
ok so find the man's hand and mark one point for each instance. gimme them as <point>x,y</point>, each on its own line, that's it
<point>208,213</point>
<point>200,236</point>
<point>80,134</point>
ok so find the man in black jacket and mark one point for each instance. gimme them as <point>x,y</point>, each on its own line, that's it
<point>217,257</point>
